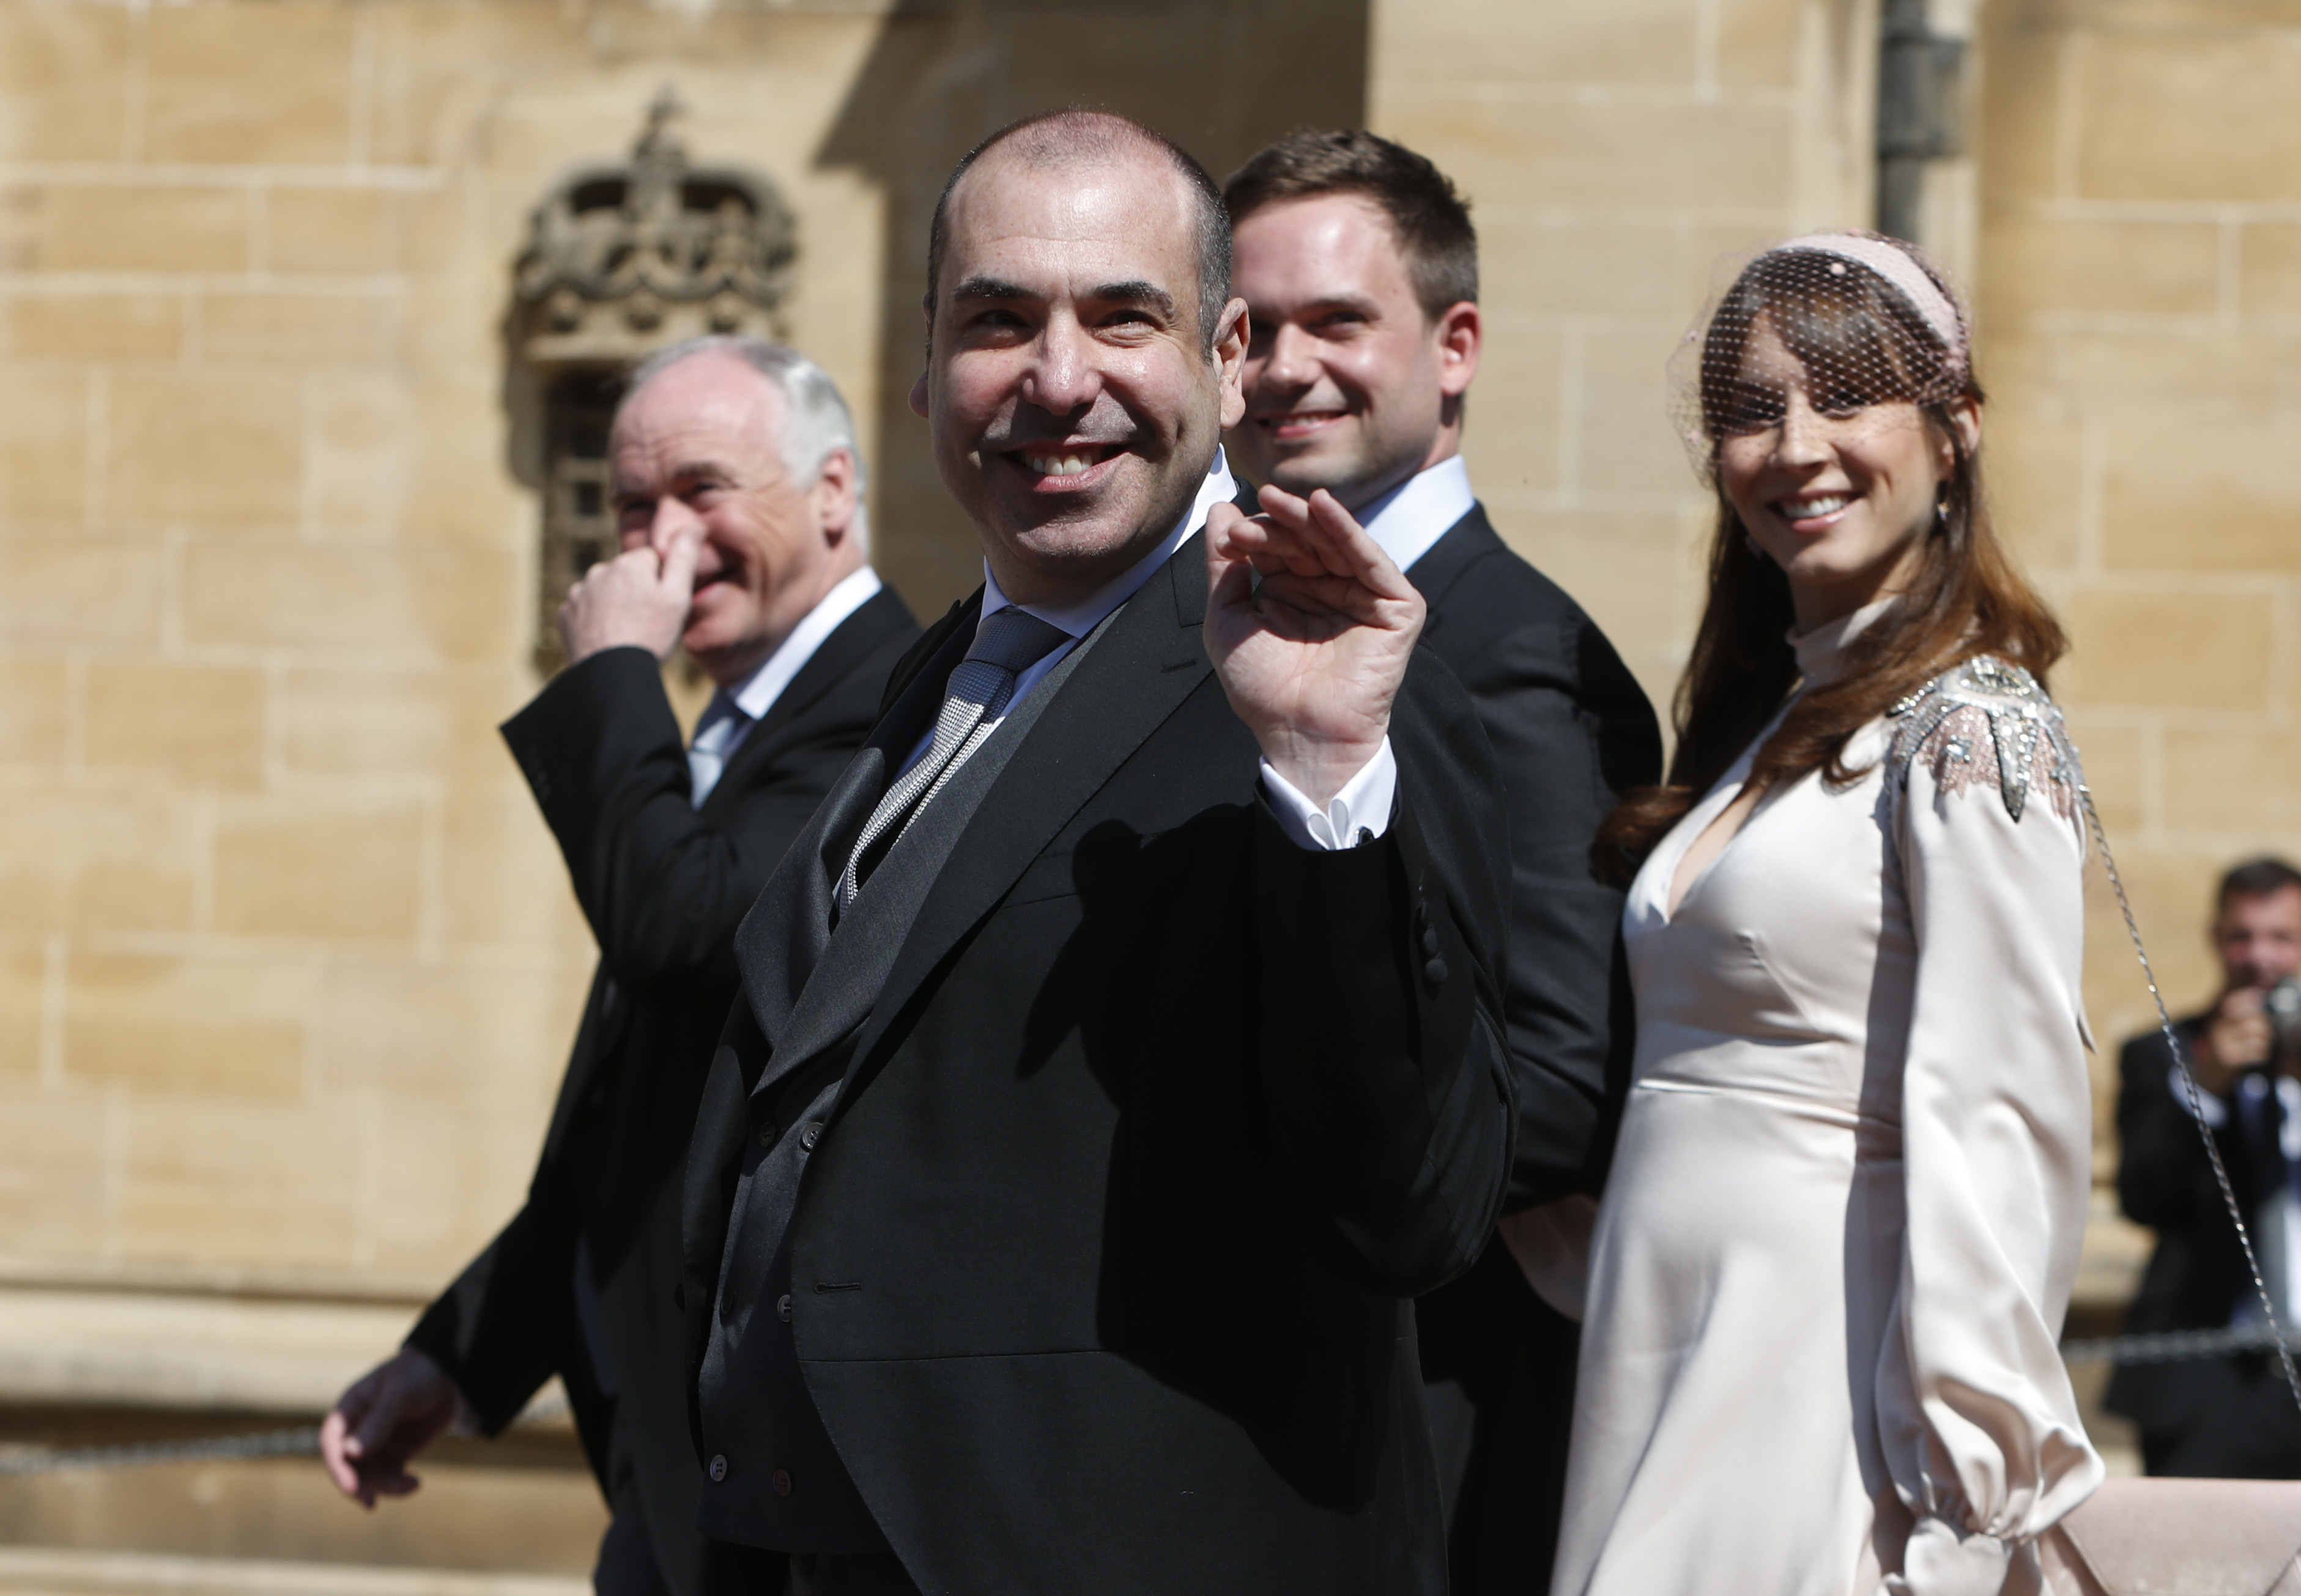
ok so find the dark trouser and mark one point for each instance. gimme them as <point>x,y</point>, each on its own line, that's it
<point>822,1574</point>
<point>2242,1426</point>
<point>627,1565</point>
<point>1498,1381</point>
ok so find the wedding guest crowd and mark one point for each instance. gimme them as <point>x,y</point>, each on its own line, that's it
<point>1109,1094</point>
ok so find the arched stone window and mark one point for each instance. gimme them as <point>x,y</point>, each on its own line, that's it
<point>621,261</point>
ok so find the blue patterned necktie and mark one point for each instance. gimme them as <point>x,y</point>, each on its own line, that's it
<point>706,756</point>
<point>977,696</point>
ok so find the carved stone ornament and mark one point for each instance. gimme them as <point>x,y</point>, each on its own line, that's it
<point>624,259</point>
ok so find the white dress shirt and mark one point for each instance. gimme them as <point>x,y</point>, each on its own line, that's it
<point>1419,511</point>
<point>1364,803</point>
<point>729,717</point>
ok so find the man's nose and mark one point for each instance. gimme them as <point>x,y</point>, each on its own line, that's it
<point>1066,376</point>
<point>1290,364</point>
<point>672,516</point>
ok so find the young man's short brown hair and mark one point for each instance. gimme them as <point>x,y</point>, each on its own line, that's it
<point>1431,218</point>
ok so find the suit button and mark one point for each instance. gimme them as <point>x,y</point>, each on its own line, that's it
<point>768,1138</point>
<point>812,1135</point>
<point>718,1469</point>
<point>782,1308</point>
<point>783,1482</point>
<point>1435,971</point>
<point>1429,942</point>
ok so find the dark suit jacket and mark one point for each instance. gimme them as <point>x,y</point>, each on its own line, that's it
<point>1100,1269</point>
<point>1570,729</point>
<point>664,885</point>
<point>2198,1273</point>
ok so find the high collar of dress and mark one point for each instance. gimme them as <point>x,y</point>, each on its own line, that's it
<point>1821,652</point>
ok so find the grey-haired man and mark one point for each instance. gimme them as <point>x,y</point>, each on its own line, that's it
<point>738,495</point>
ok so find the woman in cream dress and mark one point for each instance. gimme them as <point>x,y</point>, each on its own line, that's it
<point>1829,1271</point>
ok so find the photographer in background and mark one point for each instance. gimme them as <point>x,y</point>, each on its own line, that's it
<point>2228,1416</point>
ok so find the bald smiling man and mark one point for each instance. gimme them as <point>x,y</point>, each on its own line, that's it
<point>1119,1052</point>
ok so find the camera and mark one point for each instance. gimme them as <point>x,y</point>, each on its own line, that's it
<point>2283,1003</point>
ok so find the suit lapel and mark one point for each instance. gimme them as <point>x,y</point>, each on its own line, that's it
<point>837,655</point>
<point>1442,565</point>
<point>782,939</point>
<point>1138,674</point>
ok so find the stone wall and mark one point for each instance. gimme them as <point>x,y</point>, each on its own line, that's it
<point>2140,305</point>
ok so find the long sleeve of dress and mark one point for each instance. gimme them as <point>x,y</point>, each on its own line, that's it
<point>1978,1423</point>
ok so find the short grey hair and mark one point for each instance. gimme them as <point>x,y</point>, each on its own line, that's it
<point>816,421</point>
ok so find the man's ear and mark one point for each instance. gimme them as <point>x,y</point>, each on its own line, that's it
<point>1229,356</point>
<point>1459,333</point>
<point>833,496</point>
<point>919,388</point>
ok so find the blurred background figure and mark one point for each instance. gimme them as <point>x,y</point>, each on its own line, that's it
<point>1359,264</point>
<point>2228,1416</point>
<point>737,487</point>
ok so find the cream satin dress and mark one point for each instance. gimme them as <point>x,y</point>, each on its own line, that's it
<point>1832,1265</point>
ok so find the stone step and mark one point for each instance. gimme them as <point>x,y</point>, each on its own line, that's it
<point>29,1571</point>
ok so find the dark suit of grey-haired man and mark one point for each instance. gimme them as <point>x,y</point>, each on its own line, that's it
<point>737,491</point>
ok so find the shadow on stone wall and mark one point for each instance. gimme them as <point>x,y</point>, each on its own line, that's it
<point>1219,77</point>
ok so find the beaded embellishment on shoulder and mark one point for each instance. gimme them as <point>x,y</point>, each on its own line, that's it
<point>1985,723</point>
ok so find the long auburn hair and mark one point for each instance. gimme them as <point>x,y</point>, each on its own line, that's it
<point>1967,599</point>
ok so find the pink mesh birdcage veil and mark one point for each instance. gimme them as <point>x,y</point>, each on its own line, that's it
<point>1851,323</point>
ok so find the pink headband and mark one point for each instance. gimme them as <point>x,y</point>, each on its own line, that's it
<point>1894,264</point>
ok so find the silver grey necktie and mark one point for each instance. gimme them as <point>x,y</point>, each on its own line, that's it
<point>706,756</point>
<point>977,696</point>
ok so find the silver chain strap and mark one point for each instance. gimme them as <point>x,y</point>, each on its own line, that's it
<point>2275,1337</point>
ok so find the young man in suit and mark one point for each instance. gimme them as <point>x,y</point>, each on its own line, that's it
<point>738,490</point>
<point>1120,1051</point>
<point>2228,1418</point>
<point>1359,269</point>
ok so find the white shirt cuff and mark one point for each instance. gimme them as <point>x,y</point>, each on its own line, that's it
<point>1360,812</point>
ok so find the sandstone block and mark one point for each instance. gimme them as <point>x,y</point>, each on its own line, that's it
<point>2214,497</point>
<point>81,590</point>
<point>31,712</point>
<point>2042,267</point>
<point>2169,650</point>
<point>1515,439</point>
<point>2036,471</point>
<point>470,1032</point>
<point>2269,274</point>
<point>250,84</point>
<point>306,870</point>
<point>332,229</point>
<point>1533,265</point>
<point>23,987</point>
<point>2209,118</point>
<point>53,1201</point>
<point>2116,758</point>
<point>1606,154</point>
<point>201,447</point>
<point>44,441</point>
<point>454,1171</point>
<point>1758,43</point>
<point>504,882</point>
<point>63,83</point>
<point>427,603</point>
<point>1627,444</point>
<point>2248,782</point>
<point>91,326</point>
<point>143,227</point>
<point>200,726</point>
<point>1536,41</point>
<point>234,1027</point>
<point>96,860</point>
<point>247,1181</point>
<point>413,725</point>
<point>304,328</point>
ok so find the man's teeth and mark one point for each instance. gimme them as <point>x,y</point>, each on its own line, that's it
<point>1072,465</point>
<point>1805,509</point>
